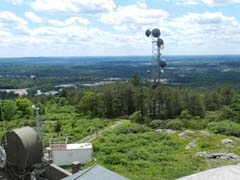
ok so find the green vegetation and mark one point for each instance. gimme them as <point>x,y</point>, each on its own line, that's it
<point>225,127</point>
<point>58,121</point>
<point>139,152</point>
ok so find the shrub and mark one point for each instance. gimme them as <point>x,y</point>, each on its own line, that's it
<point>185,114</point>
<point>195,124</point>
<point>225,127</point>
<point>213,116</point>
<point>132,128</point>
<point>58,127</point>
<point>158,124</point>
<point>227,113</point>
<point>174,124</point>
<point>136,117</point>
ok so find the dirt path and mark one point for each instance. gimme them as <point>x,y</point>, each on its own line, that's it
<point>92,137</point>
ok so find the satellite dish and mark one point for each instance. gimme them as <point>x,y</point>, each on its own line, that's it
<point>160,42</point>
<point>162,63</point>
<point>156,33</point>
<point>3,157</point>
<point>148,33</point>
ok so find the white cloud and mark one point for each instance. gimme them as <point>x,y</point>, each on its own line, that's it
<point>208,2</point>
<point>73,37</point>
<point>220,2</point>
<point>33,17</point>
<point>15,2</point>
<point>81,6</point>
<point>134,17</point>
<point>69,21</point>
<point>204,28</point>
<point>10,21</point>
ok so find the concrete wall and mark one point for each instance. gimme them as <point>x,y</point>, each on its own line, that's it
<point>55,172</point>
<point>66,157</point>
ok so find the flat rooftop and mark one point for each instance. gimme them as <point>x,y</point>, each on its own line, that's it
<point>79,146</point>
<point>70,146</point>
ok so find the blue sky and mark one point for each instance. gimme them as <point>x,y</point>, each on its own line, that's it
<point>116,27</point>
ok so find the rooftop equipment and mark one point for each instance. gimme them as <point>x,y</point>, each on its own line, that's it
<point>23,148</point>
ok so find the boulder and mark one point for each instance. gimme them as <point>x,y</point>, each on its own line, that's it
<point>218,156</point>
<point>185,134</point>
<point>204,133</point>
<point>227,142</point>
<point>191,145</point>
<point>168,131</point>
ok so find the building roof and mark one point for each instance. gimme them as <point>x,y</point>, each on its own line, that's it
<point>61,146</point>
<point>96,172</point>
<point>79,146</point>
<point>231,172</point>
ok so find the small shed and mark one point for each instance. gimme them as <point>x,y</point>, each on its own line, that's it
<point>65,154</point>
<point>97,173</point>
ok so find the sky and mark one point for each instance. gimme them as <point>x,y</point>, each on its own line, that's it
<point>30,28</point>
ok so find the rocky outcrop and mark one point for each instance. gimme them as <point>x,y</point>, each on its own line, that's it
<point>204,133</point>
<point>218,156</point>
<point>227,142</point>
<point>223,173</point>
<point>191,145</point>
<point>168,131</point>
<point>185,134</point>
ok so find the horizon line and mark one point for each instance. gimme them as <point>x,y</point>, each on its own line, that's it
<point>20,57</point>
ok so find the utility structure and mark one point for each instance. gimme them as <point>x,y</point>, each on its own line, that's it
<point>38,121</point>
<point>157,64</point>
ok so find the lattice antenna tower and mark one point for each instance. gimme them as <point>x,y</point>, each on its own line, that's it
<point>157,64</point>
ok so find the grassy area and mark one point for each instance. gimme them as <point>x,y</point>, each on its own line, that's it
<point>139,152</point>
<point>61,121</point>
<point>133,150</point>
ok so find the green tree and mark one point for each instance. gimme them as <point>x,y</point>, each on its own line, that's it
<point>24,106</point>
<point>196,106</point>
<point>88,104</point>
<point>136,80</point>
<point>185,114</point>
<point>9,109</point>
<point>213,101</point>
<point>58,126</point>
<point>235,106</point>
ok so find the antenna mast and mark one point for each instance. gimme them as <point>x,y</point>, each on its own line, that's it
<point>157,63</point>
<point>38,121</point>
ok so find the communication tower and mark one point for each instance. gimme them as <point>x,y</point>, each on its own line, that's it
<point>157,64</point>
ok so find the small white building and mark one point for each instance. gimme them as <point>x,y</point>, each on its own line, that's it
<point>39,92</point>
<point>65,154</point>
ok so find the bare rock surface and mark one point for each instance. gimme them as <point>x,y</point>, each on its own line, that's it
<point>218,156</point>
<point>231,172</point>
<point>185,134</point>
<point>168,131</point>
<point>227,142</point>
<point>204,133</point>
<point>191,145</point>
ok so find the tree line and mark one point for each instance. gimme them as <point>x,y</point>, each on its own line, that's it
<point>163,102</point>
<point>134,99</point>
